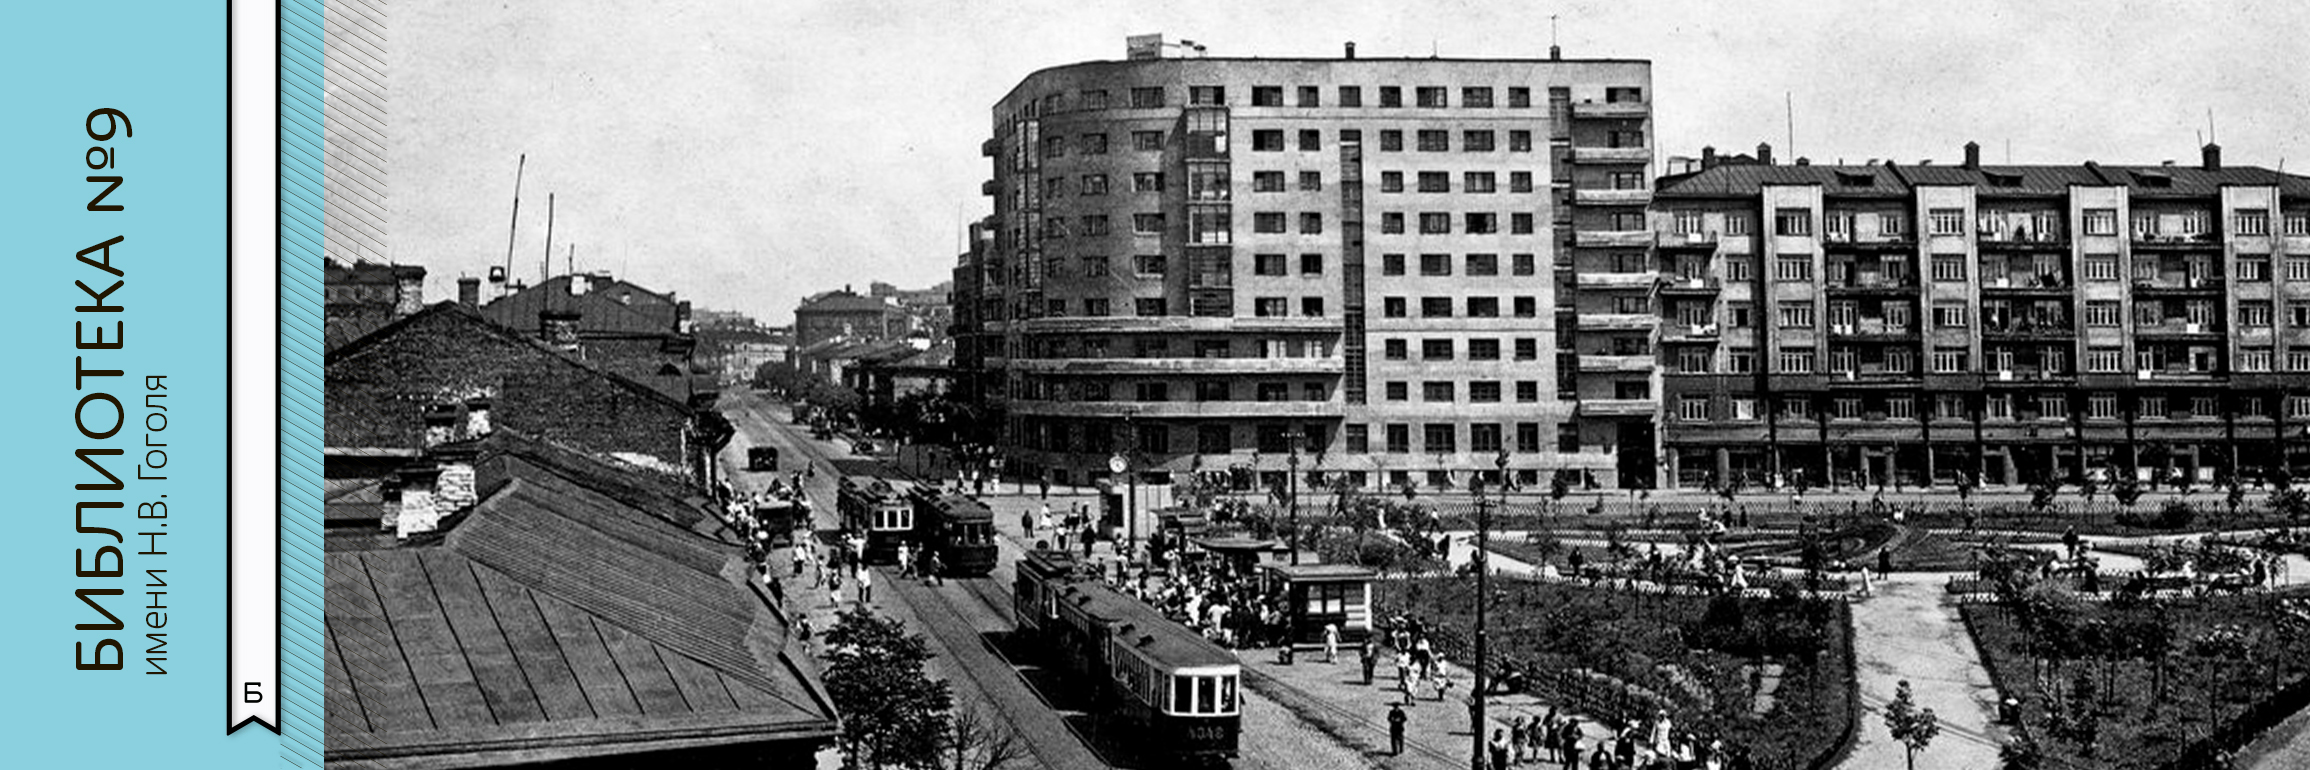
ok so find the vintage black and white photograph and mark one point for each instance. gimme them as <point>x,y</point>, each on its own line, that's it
<point>1011,385</point>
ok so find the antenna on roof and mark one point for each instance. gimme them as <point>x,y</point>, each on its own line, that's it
<point>2210,126</point>
<point>505,279</point>
<point>1554,51</point>
<point>545,266</point>
<point>1790,99</point>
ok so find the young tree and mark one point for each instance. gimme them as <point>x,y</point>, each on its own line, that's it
<point>2289,503</point>
<point>1913,726</point>
<point>893,715</point>
<point>974,742</point>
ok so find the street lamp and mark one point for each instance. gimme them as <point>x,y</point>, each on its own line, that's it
<point>1294,436</point>
<point>1482,562</point>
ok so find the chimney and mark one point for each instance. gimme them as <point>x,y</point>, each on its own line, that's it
<point>469,292</point>
<point>1765,153</point>
<point>409,294</point>
<point>559,328</point>
<point>1804,161</point>
<point>1972,155</point>
<point>440,425</point>
<point>1555,53</point>
<point>456,488</point>
<point>1351,49</point>
<point>2213,154</point>
<point>420,511</point>
<point>1708,157</point>
<point>477,422</point>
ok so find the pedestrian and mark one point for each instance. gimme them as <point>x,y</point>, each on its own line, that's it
<point>1371,653</point>
<point>1043,522</point>
<point>1499,749</point>
<point>933,568</point>
<point>1396,719</point>
<point>1090,536</point>
<point>1404,674</point>
<point>1331,642</point>
<point>1027,524</point>
<point>1600,760</point>
<point>1547,735</point>
<point>1569,741</point>
<point>777,589</point>
<point>1062,535</point>
<point>905,561</point>
<point>1443,683</point>
<point>1045,483</point>
<point>802,628</point>
<point>865,585</point>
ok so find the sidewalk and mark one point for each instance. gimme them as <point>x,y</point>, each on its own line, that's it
<point>1910,630</point>
<point>1334,698</point>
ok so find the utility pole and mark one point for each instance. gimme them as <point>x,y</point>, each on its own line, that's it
<point>1482,562</point>
<point>1295,436</point>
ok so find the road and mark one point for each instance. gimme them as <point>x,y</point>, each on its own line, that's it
<point>955,617</point>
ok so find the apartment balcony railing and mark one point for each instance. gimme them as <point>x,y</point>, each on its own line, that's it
<point>1612,155</point>
<point>1845,242</point>
<point>1303,366</point>
<point>1872,329</point>
<point>1705,240</point>
<point>2174,327</point>
<point>1611,109</point>
<point>1638,280</point>
<point>1617,363</point>
<point>1870,283</point>
<point>1619,407</point>
<point>2048,329</point>
<point>1671,331</point>
<point>1617,321</point>
<point>1606,197</point>
<point>2175,242</point>
<point>1678,285</point>
<point>1612,238</point>
<point>2175,284</point>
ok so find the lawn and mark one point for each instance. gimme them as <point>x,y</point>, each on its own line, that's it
<point>1613,655</point>
<point>2156,684</point>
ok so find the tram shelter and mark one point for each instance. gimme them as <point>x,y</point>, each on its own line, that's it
<point>1317,595</point>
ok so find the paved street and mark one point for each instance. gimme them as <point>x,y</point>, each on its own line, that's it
<point>1909,630</point>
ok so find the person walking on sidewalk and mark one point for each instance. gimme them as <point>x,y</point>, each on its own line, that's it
<point>1396,719</point>
<point>1331,642</point>
<point>1404,674</point>
<point>865,585</point>
<point>1498,748</point>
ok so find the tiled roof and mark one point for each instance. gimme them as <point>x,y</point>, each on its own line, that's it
<point>556,622</point>
<point>839,302</point>
<point>609,308</point>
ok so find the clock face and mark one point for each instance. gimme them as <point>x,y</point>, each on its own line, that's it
<point>1116,464</point>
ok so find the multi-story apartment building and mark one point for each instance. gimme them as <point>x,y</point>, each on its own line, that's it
<point>1215,264</point>
<point>1912,324</point>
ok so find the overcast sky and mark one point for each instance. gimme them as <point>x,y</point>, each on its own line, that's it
<point>745,154</point>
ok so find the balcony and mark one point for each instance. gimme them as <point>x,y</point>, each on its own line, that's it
<point>2024,243</point>
<point>1618,407</point>
<point>1846,243</point>
<point>2025,284</point>
<point>1868,328</point>
<point>1701,241</point>
<point>1197,366</point>
<point>1617,321</point>
<point>1609,363</point>
<point>988,148</point>
<point>1175,409</point>
<point>1639,280</point>
<point>2167,243</point>
<point>2054,329</point>
<point>1873,374</point>
<point>1681,332</point>
<point>1607,239</point>
<point>1607,197</point>
<point>2177,327</point>
<point>1689,287</point>
<point>2025,376</point>
<point>1612,155</point>
<point>2171,284</point>
<point>1611,109</point>
<point>1872,284</point>
<point>990,188</point>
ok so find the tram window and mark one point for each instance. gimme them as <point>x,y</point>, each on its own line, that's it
<point>1227,695</point>
<point>1182,695</point>
<point>1206,695</point>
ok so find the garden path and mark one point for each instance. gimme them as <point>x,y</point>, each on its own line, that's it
<point>1909,630</point>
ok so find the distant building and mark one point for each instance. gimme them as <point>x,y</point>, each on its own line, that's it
<point>886,375</point>
<point>623,328</point>
<point>384,388</point>
<point>929,311</point>
<point>361,296</point>
<point>846,315</point>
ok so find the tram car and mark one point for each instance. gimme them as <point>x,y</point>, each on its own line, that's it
<point>1173,692</point>
<point>779,515</point>
<point>1035,593</point>
<point>878,511</point>
<point>958,527</point>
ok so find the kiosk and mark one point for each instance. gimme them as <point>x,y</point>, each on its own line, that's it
<point>1316,595</point>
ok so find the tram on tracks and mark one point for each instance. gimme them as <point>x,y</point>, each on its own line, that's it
<point>1175,692</point>
<point>959,528</point>
<point>879,511</point>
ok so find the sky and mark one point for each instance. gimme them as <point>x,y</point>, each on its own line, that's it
<point>744,155</point>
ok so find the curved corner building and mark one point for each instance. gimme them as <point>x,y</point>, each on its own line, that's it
<point>1205,264</point>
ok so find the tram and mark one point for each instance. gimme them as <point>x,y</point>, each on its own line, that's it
<point>877,510</point>
<point>959,528</point>
<point>1175,692</point>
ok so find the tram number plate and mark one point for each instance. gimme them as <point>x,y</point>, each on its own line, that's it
<point>1206,733</point>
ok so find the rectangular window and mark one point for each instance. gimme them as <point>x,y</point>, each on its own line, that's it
<point>1436,350</point>
<point>1949,267</point>
<point>2101,406</point>
<point>1527,391</point>
<point>1793,268</point>
<point>1267,264</point>
<point>1476,141</point>
<point>1435,181</point>
<point>1947,315</point>
<point>1435,223</point>
<point>1210,96</point>
<point>1430,96</point>
<point>1147,224</point>
<point>1484,264</point>
<point>2100,222</point>
<point>1796,361</point>
<point>1391,140</point>
<point>1391,96</point>
<point>1266,181</point>
<point>2101,267</point>
<point>1435,264</point>
<point>2253,359</point>
<point>2298,360</point>
<point>1740,363</point>
<point>1483,350</point>
<point>1522,264</point>
<point>1480,222</point>
<point>1736,224</point>
<point>1692,408</point>
<point>1095,267</point>
<point>1096,307</point>
<point>2254,314</point>
<point>2250,222</point>
<point>1310,223</point>
<point>1484,392</point>
<point>1391,264</point>
<point>1310,140</point>
<point>1793,221</point>
<point>1393,307</point>
<point>1399,391</point>
<point>1945,221</point>
<point>1310,181</point>
<point>1900,408</point>
<point>1148,264</point>
<point>1267,222</point>
<point>1435,140</point>
<point>1399,437</point>
<point>1095,224</point>
<point>1439,438</point>
<point>1478,182</point>
<point>1520,223</point>
<point>1267,140</point>
<point>1267,96</point>
<point>1391,181</point>
<point>1519,140</point>
<point>2254,268</point>
<point>1527,349</point>
<point>2103,313</point>
<point>1435,307</point>
<point>1737,268</point>
<point>1147,141</point>
<point>1692,360</point>
<point>1391,222</point>
<point>1949,361</point>
<point>1436,391</point>
<point>1483,307</point>
<point>2104,359</point>
<point>1149,306</point>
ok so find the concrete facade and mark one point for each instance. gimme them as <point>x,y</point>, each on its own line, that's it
<point>1204,263</point>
